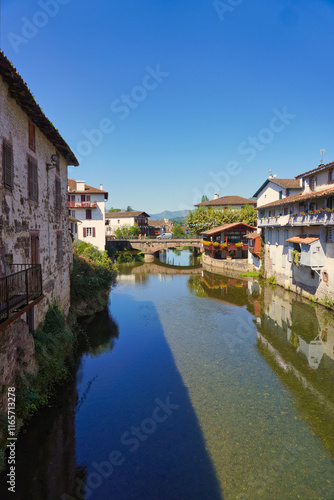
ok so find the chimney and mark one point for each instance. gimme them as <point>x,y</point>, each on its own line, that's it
<point>101,187</point>
<point>216,196</point>
<point>81,185</point>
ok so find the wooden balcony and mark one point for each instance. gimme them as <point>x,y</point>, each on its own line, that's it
<point>19,289</point>
<point>82,204</point>
<point>299,219</point>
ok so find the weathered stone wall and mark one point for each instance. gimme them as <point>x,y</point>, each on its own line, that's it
<point>16,353</point>
<point>22,218</point>
<point>217,265</point>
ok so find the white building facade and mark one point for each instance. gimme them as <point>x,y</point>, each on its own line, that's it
<point>119,220</point>
<point>298,234</point>
<point>87,204</point>
<point>274,189</point>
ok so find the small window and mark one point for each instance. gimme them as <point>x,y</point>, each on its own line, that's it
<point>59,249</point>
<point>286,236</point>
<point>280,195</point>
<point>312,274</point>
<point>88,214</point>
<point>330,233</point>
<point>32,136</point>
<point>88,197</point>
<point>331,176</point>
<point>32,180</point>
<point>58,194</point>
<point>7,160</point>
<point>277,236</point>
<point>72,213</point>
<point>313,183</point>
<point>83,197</point>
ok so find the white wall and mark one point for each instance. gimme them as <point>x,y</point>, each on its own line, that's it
<point>97,220</point>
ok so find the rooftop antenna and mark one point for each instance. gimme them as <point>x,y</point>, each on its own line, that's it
<point>322,152</point>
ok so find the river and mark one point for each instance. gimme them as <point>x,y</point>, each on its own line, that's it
<point>191,386</point>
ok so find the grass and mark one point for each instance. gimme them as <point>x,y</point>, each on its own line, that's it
<point>250,274</point>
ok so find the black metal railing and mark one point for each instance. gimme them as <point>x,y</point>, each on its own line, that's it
<point>18,289</point>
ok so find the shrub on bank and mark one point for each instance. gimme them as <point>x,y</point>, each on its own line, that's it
<point>92,274</point>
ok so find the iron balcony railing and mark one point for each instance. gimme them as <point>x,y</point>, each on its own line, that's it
<point>18,289</point>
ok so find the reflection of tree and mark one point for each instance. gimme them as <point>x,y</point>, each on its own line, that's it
<point>99,335</point>
<point>195,285</point>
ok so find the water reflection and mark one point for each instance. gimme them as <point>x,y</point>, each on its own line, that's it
<point>46,463</point>
<point>249,367</point>
<point>180,257</point>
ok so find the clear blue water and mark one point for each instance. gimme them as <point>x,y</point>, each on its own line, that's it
<point>192,387</point>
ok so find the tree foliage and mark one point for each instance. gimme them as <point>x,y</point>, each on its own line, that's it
<point>204,198</point>
<point>112,209</point>
<point>129,208</point>
<point>202,218</point>
<point>178,232</point>
<point>127,232</point>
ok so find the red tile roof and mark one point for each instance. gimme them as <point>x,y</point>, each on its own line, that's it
<point>73,219</point>
<point>285,183</point>
<point>19,91</point>
<point>315,170</point>
<point>118,215</point>
<point>253,236</point>
<point>298,197</point>
<point>225,227</point>
<point>72,188</point>
<point>227,201</point>
<point>157,223</point>
<point>304,240</point>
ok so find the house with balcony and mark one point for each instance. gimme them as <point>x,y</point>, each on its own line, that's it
<point>35,244</point>
<point>298,233</point>
<point>234,202</point>
<point>227,241</point>
<point>274,189</point>
<point>118,220</point>
<point>157,227</point>
<point>87,204</point>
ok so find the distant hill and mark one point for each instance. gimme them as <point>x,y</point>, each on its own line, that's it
<point>170,215</point>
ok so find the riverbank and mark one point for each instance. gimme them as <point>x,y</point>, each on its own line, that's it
<point>36,362</point>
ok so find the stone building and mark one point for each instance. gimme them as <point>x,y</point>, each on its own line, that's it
<point>35,243</point>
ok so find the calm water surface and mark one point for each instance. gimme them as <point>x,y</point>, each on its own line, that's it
<point>192,387</point>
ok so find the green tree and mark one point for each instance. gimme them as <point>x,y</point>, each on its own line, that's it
<point>129,208</point>
<point>204,198</point>
<point>202,218</point>
<point>127,232</point>
<point>111,209</point>
<point>178,232</point>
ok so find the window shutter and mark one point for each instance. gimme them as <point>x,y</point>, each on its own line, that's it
<point>75,227</point>
<point>330,233</point>
<point>94,232</point>
<point>8,165</point>
<point>84,232</point>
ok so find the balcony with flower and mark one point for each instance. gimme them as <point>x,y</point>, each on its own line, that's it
<point>227,241</point>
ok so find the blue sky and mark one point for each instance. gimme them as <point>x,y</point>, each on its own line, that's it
<point>165,100</point>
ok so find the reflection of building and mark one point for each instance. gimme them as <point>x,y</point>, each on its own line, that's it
<point>254,248</point>
<point>298,233</point>
<point>87,204</point>
<point>296,340</point>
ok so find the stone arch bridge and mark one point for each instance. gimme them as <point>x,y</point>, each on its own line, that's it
<point>152,247</point>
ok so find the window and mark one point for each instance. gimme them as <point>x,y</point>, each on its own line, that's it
<point>7,160</point>
<point>331,176</point>
<point>287,193</point>
<point>286,211</point>
<point>88,214</point>
<point>72,213</point>
<point>83,197</point>
<point>330,233</point>
<point>58,194</point>
<point>59,248</point>
<point>277,236</point>
<point>89,231</point>
<point>32,134</point>
<point>32,180</point>
<point>280,195</point>
<point>269,236</point>
<point>88,197</point>
<point>313,183</point>
<point>286,236</point>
